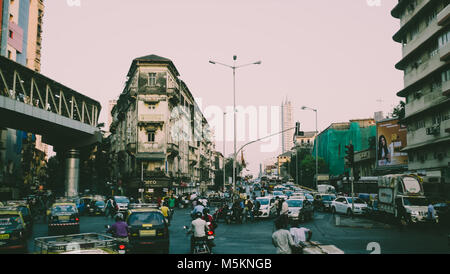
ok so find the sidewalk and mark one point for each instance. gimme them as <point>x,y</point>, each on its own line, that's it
<point>357,222</point>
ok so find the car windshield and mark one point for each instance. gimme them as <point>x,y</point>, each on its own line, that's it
<point>100,203</point>
<point>328,197</point>
<point>263,201</point>
<point>141,218</point>
<point>295,203</point>
<point>121,200</point>
<point>309,196</point>
<point>278,193</point>
<point>357,201</point>
<point>415,202</point>
<point>9,220</point>
<point>63,209</point>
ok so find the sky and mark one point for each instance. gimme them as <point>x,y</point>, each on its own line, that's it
<point>336,56</point>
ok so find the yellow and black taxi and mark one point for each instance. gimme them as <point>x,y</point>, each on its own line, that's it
<point>12,230</point>
<point>63,218</point>
<point>22,205</point>
<point>148,230</point>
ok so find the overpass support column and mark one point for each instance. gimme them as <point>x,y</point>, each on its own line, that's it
<point>72,172</point>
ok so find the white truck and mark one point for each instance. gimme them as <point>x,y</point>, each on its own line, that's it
<point>402,196</point>
<point>326,189</point>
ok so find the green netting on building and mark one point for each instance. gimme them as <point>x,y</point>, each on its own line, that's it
<point>332,144</point>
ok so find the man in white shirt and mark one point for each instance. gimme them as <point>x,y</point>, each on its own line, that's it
<point>198,228</point>
<point>300,235</point>
<point>282,239</point>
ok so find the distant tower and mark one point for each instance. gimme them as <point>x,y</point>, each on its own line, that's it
<point>287,122</point>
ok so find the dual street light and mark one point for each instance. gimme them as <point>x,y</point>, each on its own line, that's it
<point>234,67</point>
<point>317,143</point>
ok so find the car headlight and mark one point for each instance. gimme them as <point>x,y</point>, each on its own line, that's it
<point>414,212</point>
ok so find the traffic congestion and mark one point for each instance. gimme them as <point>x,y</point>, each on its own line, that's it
<point>290,214</point>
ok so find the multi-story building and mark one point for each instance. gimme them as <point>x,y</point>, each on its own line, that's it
<point>305,141</point>
<point>425,37</point>
<point>160,139</point>
<point>21,41</point>
<point>286,123</point>
<point>281,160</point>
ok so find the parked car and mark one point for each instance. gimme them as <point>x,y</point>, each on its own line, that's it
<point>300,210</point>
<point>323,201</point>
<point>344,205</point>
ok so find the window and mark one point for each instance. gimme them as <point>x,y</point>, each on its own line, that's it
<point>151,79</point>
<point>444,39</point>
<point>11,34</point>
<point>9,54</point>
<point>445,76</point>
<point>151,136</point>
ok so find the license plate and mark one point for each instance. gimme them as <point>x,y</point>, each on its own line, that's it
<point>147,233</point>
<point>121,251</point>
<point>210,237</point>
<point>4,237</point>
<point>64,218</point>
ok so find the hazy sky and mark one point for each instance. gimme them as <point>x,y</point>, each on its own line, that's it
<point>334,55</point>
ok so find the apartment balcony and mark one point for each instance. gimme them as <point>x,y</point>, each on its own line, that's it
<point>424,102</point>
<point>421,38</point>
<point>151,119</point>
<point>151,151</point>
<point>446,88</point>
<point>423,70</point>
<point>444,52</point>
<point>443,18</point>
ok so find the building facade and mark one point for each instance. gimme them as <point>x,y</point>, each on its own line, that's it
<point>21,41</point>
<point>287,122</point>
<point>425,37</point>
<point>160,140</point>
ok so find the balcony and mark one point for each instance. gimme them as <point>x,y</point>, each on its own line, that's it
<point>421,38</point>
<point>446,88</point>
<point>151,148</point>
<point>424,102</point>
<point>423,70</point>
<point>151,119</point>
<point>444,52</point>
<point>443,18</point>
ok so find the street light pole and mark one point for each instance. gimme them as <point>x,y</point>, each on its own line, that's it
<point>234,67</point>
<point>317,144</point>
<point>224,157</point>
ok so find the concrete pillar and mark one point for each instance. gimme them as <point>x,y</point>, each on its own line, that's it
<point>72,172</point>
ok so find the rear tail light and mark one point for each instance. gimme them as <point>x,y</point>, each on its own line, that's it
<point>77,219</point>
<point>121,247</point>
<point>210,232</point>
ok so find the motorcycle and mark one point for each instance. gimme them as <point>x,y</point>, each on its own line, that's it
<point>121,246</point>
<point>233,215</point>
<point>205,245</point>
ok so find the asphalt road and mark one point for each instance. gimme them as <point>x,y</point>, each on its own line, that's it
<point>255,238</point>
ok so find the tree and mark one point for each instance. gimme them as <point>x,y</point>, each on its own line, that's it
<point>399,111</point>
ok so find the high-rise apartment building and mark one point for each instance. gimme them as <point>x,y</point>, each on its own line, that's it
<point>425,37</point>
<point>287,122</point>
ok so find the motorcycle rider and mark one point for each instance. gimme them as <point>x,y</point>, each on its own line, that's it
<point>237,211</point>
<point>119,229</point>
<point>197,209</point>
<point>198,228</point>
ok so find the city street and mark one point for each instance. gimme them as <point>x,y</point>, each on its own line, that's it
<point>255,238</point>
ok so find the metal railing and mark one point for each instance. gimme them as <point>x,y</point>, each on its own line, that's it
<point>25,85</point>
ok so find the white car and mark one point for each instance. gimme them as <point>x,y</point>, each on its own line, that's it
<point>267,208</point>
<point>344,205</point>
<point>279,194</point>
<point>300,209</point>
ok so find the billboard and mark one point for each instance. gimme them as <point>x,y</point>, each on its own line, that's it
<point>391,139</point>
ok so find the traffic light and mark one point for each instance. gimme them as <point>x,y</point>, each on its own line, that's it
<point>350,155</point>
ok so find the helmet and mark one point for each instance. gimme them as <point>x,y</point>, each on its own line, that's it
<point>119,217</point>
<point>198,215</point>
<point>205,210</point>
